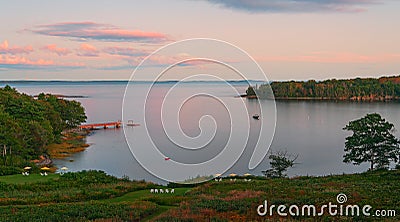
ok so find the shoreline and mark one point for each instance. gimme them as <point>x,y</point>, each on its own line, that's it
<point>73,141</point>
<point>352,99</point>
<point>60,96</point>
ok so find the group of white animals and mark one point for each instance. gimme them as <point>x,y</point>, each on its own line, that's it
<point>162,191</point>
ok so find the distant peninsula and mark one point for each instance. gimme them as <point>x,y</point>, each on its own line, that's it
<point>59,96</point>
<point>34,130</point>
<point>358,89</point>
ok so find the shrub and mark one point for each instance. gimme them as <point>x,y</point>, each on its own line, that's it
<point>9,170</point>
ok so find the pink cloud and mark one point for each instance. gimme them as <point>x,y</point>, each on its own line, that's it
<point>18,62</point>
<point>57,50</point>
<point>342,57</point>
<point>88,47</point>
<point>97,31</point>
<point>88,50</point>
<point>162,59</point>
<point>6,49</point>
<point>14,60</point>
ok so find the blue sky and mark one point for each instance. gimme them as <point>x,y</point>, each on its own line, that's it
<point>290,39</point>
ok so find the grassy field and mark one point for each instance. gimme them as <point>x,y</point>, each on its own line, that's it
<point>32,178</point>
<point>94,196</point>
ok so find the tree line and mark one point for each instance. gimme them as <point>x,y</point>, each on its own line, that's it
<point>359,89</point>
<point>28,125</point>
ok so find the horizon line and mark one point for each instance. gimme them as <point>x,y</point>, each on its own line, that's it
<point>177,80</point>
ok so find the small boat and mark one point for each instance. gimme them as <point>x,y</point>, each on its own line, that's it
<point>256,116</point>
<point>167,158</point>
<point>131,123</point>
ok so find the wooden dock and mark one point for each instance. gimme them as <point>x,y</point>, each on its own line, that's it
<point>107,125</point>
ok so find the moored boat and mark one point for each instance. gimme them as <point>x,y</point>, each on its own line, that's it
<point>131,123</point>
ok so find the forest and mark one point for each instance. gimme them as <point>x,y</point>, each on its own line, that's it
<point>358,89</point>
<point>28,125</point>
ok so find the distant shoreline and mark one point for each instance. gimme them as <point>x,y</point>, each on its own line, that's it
<point>359,90</point>
<point>352,99</point>
<point>60,96</point>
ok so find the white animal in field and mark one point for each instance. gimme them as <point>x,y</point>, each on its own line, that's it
<point>151,190</point>
<point>166,191</point>
<point>173,191</point>
<point>155,190</point>
<point>161,191</point>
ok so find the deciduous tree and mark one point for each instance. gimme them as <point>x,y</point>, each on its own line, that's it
<point>372,141</point>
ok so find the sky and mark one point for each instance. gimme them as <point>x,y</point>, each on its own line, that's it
<point>289,39</point>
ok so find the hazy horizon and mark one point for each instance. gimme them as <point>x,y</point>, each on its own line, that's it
<point>291,40</point>
<point>178,80</point>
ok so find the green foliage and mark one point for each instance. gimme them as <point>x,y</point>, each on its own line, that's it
<point>250,91</point>
<point>82,196</point>
<point>70,187</point>
<point>71,112</point>
<point>280,162</point>
<point>28,125</point>
<point>262,92</point>
<point>89,177</point>
<point>238,201</point>
<point>368,89</point>
<point>371,141</point>
<point>8,170</point>
<point>88,211</point>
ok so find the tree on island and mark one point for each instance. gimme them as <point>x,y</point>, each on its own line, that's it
<point>372,141</point>
<point>250,92</point>
<point>280,163</point>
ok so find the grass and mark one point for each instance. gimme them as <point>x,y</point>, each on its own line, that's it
<point>32,178</point>
<point>91,196</point>
<point>238,201</point>
<point>145,195</point>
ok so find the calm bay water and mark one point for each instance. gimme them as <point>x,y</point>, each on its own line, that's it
<point>311,129</point>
